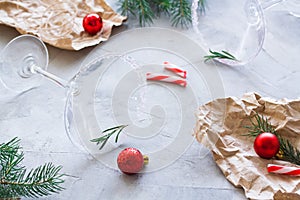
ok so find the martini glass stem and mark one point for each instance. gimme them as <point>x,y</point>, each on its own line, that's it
<point>266,4</point>
<point>52,77</point>
<point>31,67</point>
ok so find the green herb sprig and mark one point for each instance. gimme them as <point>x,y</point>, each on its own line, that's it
<point>219,55</point>
<point>15,182</point>
<point>287,151</point>
<point>108,133</point>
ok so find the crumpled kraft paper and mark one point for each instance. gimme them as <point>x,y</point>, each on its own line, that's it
<point>220,127</point>
<point>59,23</point>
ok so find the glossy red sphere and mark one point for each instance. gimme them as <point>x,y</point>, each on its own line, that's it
<point>92,23</point>
<point>266,145</point>
<point>130,161</point>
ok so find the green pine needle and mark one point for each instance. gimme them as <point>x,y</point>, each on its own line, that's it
<point>260,124</point>
<point>181,13</point>
<point>147,10</point>
<point>219,55</point>
<point>127,7</point>
<point>107,134</point>
<point>161,6</point>
<point>202,5</point>
<point>15,182</point>
<point>145,13</point>
<point>138,8</point>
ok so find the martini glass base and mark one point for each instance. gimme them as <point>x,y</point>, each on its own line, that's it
<point>17,62</point>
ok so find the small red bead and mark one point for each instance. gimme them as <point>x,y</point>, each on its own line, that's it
<point>92,23</point>
<point>130,161</point>
<point>266,145</point>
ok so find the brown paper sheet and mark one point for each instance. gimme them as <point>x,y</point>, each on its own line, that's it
<point>220,127</point>
<point>59,23</point>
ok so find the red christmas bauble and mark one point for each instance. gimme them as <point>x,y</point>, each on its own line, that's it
<point>131,161</point>
<point>266,145</point>
<point>92,23</point>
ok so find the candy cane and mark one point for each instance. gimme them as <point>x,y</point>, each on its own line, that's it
<point>166,78</point>
<point>173,68</point>
<point>280,169</point>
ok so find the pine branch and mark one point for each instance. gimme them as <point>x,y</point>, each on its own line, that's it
<point>9,148</point>
<point>288,152</point>
<point>147,10</point>
<point>41,181</point>
<point>161,6</point>
<point>202,6</point>
<point>10,158</point>
<point>181,13</point>
<point>127,7</point>
<point>108,133</point>
<point>146,14</point>
<point>259,125</point>
<point>141,7</point>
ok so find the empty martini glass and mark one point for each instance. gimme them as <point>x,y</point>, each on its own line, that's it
<point>237,27</point>
<point>110,89</point>
<point>24,61</point>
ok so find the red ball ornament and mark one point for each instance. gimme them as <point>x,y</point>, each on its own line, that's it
<point>266,145</point>
<point>92,23</point>
<point>131,161</point>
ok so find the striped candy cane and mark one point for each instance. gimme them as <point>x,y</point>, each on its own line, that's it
<point>176,70</point>
<point>280,169</point>
<point>166,78</point>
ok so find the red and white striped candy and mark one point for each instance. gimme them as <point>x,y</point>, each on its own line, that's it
<point>176,70</point>
<point>166,78</point>
<point>280,169</point>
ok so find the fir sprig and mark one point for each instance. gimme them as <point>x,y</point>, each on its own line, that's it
<point>107,134</point>
<point>147,10</point>
<point>181,13</point>
<point>127,7</point>
<point>145,13</point>
<point>260,125</point>
<point>138,8</point>
<point>41,181</point>
<point>161,6</point>
<point>219,55</point>
<point>202,5</point>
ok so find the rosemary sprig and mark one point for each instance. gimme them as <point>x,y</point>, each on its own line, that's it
<point>220,55</point>
<point>287,151</point>
<point>14,183</point>
<point>108,133</point>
